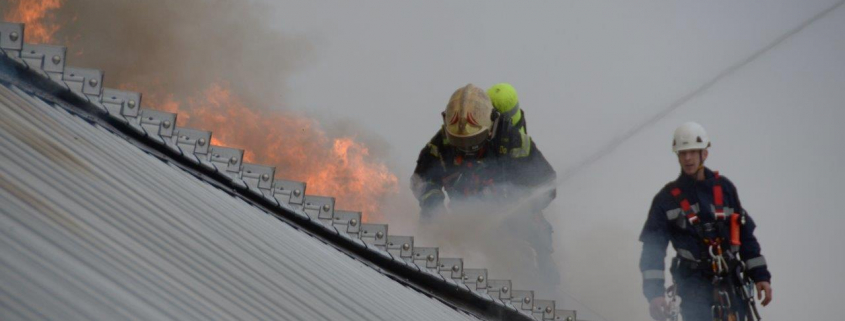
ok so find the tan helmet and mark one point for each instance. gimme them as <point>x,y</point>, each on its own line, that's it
<point>468,119</point>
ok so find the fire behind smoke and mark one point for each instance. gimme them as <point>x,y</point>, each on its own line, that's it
<point>340,167</point>
<point>38,17</point>
<point>186,72</point>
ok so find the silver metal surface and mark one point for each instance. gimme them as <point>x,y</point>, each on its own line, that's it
<point>289,192</point>
<point>134,189</point>
<point>120,102</point>
<point>343,221</point>
<point>49,58</point>
<point>401,247</point>
<point>94,228</point>
<point>10,39</point>
<point>80,80</point>
<point>319,207</point>
<point>373,234</point>
<point>158,122</point>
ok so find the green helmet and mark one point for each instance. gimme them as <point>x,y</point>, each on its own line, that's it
<point>503,96</point>
<point>504,99</point>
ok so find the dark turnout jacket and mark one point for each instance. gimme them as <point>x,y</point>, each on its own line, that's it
<point>441,166</point>
<point>666,223</point>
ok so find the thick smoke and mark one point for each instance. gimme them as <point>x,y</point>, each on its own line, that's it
<point>222,66</point>
<point>182,47</point>
<point>508,237</point>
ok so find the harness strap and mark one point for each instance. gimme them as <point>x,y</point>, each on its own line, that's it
<point>685,205</point>
<point>718,198</point>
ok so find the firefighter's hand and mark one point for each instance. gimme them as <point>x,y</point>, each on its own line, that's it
<point>659,308</point>
<point>764,288</point>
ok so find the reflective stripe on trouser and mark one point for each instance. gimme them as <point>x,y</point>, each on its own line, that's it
<point>654,275</point>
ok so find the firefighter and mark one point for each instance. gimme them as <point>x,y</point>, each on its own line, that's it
<point>718,264</point>
<point>465,161</point>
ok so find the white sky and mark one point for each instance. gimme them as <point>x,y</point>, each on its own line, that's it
<point>586,73</point>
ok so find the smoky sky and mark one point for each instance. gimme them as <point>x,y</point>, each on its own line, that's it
<point>183,46</point>
<point>586,73</point>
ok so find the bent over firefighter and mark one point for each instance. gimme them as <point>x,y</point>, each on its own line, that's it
<point>483,153</point>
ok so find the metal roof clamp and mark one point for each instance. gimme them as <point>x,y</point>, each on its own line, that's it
<point>523,300</point>
<point>259,178</point>
<point>11,39</point>
<point>565,315</point>
<point>427,258</point>
<point>47,58</point>
<point>499,289</point>
<point>193,143</point>
<point>401,247</point>
<point>121,105</point>
<point>319,208</point>
<point>476,280</point>
<point>544,309</point>
<point>452,268</point>
<point>227,160</point>
<point>85,83</point>
<point>289,192</point>
<point>375,235</point>
<point>159,125</point>
<point>349,222</point>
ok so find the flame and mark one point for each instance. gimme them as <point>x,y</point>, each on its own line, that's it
<point>37,15</point>
<point>339,167</point>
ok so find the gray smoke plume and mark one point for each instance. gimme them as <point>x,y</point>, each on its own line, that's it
<point>183,46</point>
<point>222,66</point>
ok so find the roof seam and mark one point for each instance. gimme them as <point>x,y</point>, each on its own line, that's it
<point>80,92</point>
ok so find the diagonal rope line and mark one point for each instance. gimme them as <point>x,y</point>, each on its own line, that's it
<point>626,136</point>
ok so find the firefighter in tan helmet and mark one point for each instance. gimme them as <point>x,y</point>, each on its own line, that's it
<point>478,154</point>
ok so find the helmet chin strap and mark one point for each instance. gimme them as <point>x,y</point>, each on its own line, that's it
<point>700,164</point>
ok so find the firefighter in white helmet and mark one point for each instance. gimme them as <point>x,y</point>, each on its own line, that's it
<point>718,264</point>
<point>465,161</point>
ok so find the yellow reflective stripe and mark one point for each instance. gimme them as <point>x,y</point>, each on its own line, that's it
<point>517,118</point>
<point>433,150</point>
<point>430,193</point>
<point>525,149</point>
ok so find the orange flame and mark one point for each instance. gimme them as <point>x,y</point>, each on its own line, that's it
<point>37,15</point>
<point>300,150</point>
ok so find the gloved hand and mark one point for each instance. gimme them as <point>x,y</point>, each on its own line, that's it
<point>432,205</point>
<point>659,308</point>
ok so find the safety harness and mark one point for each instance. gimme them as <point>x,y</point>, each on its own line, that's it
<point>724,267</point>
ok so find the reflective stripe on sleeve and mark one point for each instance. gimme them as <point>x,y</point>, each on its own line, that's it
<point>434,150</point>
<point>755,262</point>
<point>654,275</point>
<point>431,193</point>
<point>525,149</point>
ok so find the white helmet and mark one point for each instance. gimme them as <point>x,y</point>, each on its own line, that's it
<point>690,136</point>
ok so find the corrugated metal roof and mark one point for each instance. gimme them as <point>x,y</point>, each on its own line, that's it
<point>112,211</point>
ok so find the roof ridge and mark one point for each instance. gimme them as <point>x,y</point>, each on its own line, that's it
<point>81,91</point>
